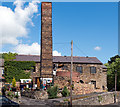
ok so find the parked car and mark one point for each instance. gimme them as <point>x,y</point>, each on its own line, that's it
<point>5,102</point>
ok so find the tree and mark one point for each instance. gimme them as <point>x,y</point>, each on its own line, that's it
<point>114,65</point>
<point>9,56</point>
<point>112,59</point>
<point>14,82</point>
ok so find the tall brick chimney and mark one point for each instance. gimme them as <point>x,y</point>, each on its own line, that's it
<point>46,70</point>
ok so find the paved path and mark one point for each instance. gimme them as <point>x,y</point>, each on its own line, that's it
<point>33,102</point>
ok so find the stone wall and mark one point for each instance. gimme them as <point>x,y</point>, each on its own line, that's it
<point>35,94</point>
<point>100,76</point>
<point>98,99</point>
<point>101,99</point>
<point>78,88</point>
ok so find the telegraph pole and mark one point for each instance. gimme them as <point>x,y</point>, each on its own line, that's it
<point>71,73</point>
<point>115,84</point>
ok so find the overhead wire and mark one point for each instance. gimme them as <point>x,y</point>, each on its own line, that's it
<point>79,49</point>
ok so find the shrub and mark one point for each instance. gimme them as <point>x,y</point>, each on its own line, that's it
<point>9,93</point>
<point>65,92</point>
<point>52,92</point>
<point>14,82</point>
<point>16,96</point>
<point>99,98</point>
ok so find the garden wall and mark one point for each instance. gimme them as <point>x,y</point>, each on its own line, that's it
<point>100,99</point>
<point>35,94</point>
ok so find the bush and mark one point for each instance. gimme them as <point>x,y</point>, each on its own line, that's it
<point>14,82</point>
<point>16,96</point>
<point>52,92</point>
<point>9,93</point>
<point>65,92</point>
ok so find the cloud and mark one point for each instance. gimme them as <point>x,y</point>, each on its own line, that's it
<point>13,24</point>
<point>33,49</point>
<point>56,53</point>
<point>97,48</point>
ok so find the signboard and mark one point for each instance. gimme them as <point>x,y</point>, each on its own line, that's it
<point>25,80</point>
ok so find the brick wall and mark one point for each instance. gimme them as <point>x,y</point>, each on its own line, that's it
<point>46,40</point>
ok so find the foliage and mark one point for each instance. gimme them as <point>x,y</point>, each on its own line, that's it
<point>17,69</point>
<point>9,93</point>
<point>112,59</point>
<point>52,92</point>
<point>9,56</point>
<point>14,82</point>
<point>114,66</point>
<point>65,92</point>
<point>66,100</point>
<point>99,98</point>
<point>16,96</point>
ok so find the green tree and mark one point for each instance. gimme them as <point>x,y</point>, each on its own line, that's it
<point>17,69</point>
<point>112,59</point>
<point>14,82</point>
<point>114,65</point>
<point>9,56</point>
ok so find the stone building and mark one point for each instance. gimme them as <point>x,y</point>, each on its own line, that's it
<point>86,70</point>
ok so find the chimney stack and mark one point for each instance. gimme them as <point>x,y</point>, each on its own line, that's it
<point>46,68</point>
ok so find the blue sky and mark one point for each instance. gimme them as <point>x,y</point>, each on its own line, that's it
<point>93,27</point>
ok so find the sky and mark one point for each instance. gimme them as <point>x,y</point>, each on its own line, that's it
<point>93,27</point>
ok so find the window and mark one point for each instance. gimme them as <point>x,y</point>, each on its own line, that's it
<point>92,70</point>
<point>64,68</point>
<point>94,83</point>
<point>79,69</point>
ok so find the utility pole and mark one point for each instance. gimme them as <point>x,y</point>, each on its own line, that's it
<point>71,73</point>
<point>115,84</point>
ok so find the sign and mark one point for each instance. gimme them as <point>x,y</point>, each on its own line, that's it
<point>25,80</point>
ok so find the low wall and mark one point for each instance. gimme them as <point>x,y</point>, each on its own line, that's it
<point>35,94</point>
<point>100,99</point>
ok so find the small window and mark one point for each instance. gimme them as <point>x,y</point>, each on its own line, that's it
<point>79,69</point>
<point>92,70</point>
<point>103,87</point>
<point>64,68</point>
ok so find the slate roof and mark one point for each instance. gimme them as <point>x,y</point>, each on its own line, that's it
<point>63,59</point>
<point>103,66</point>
